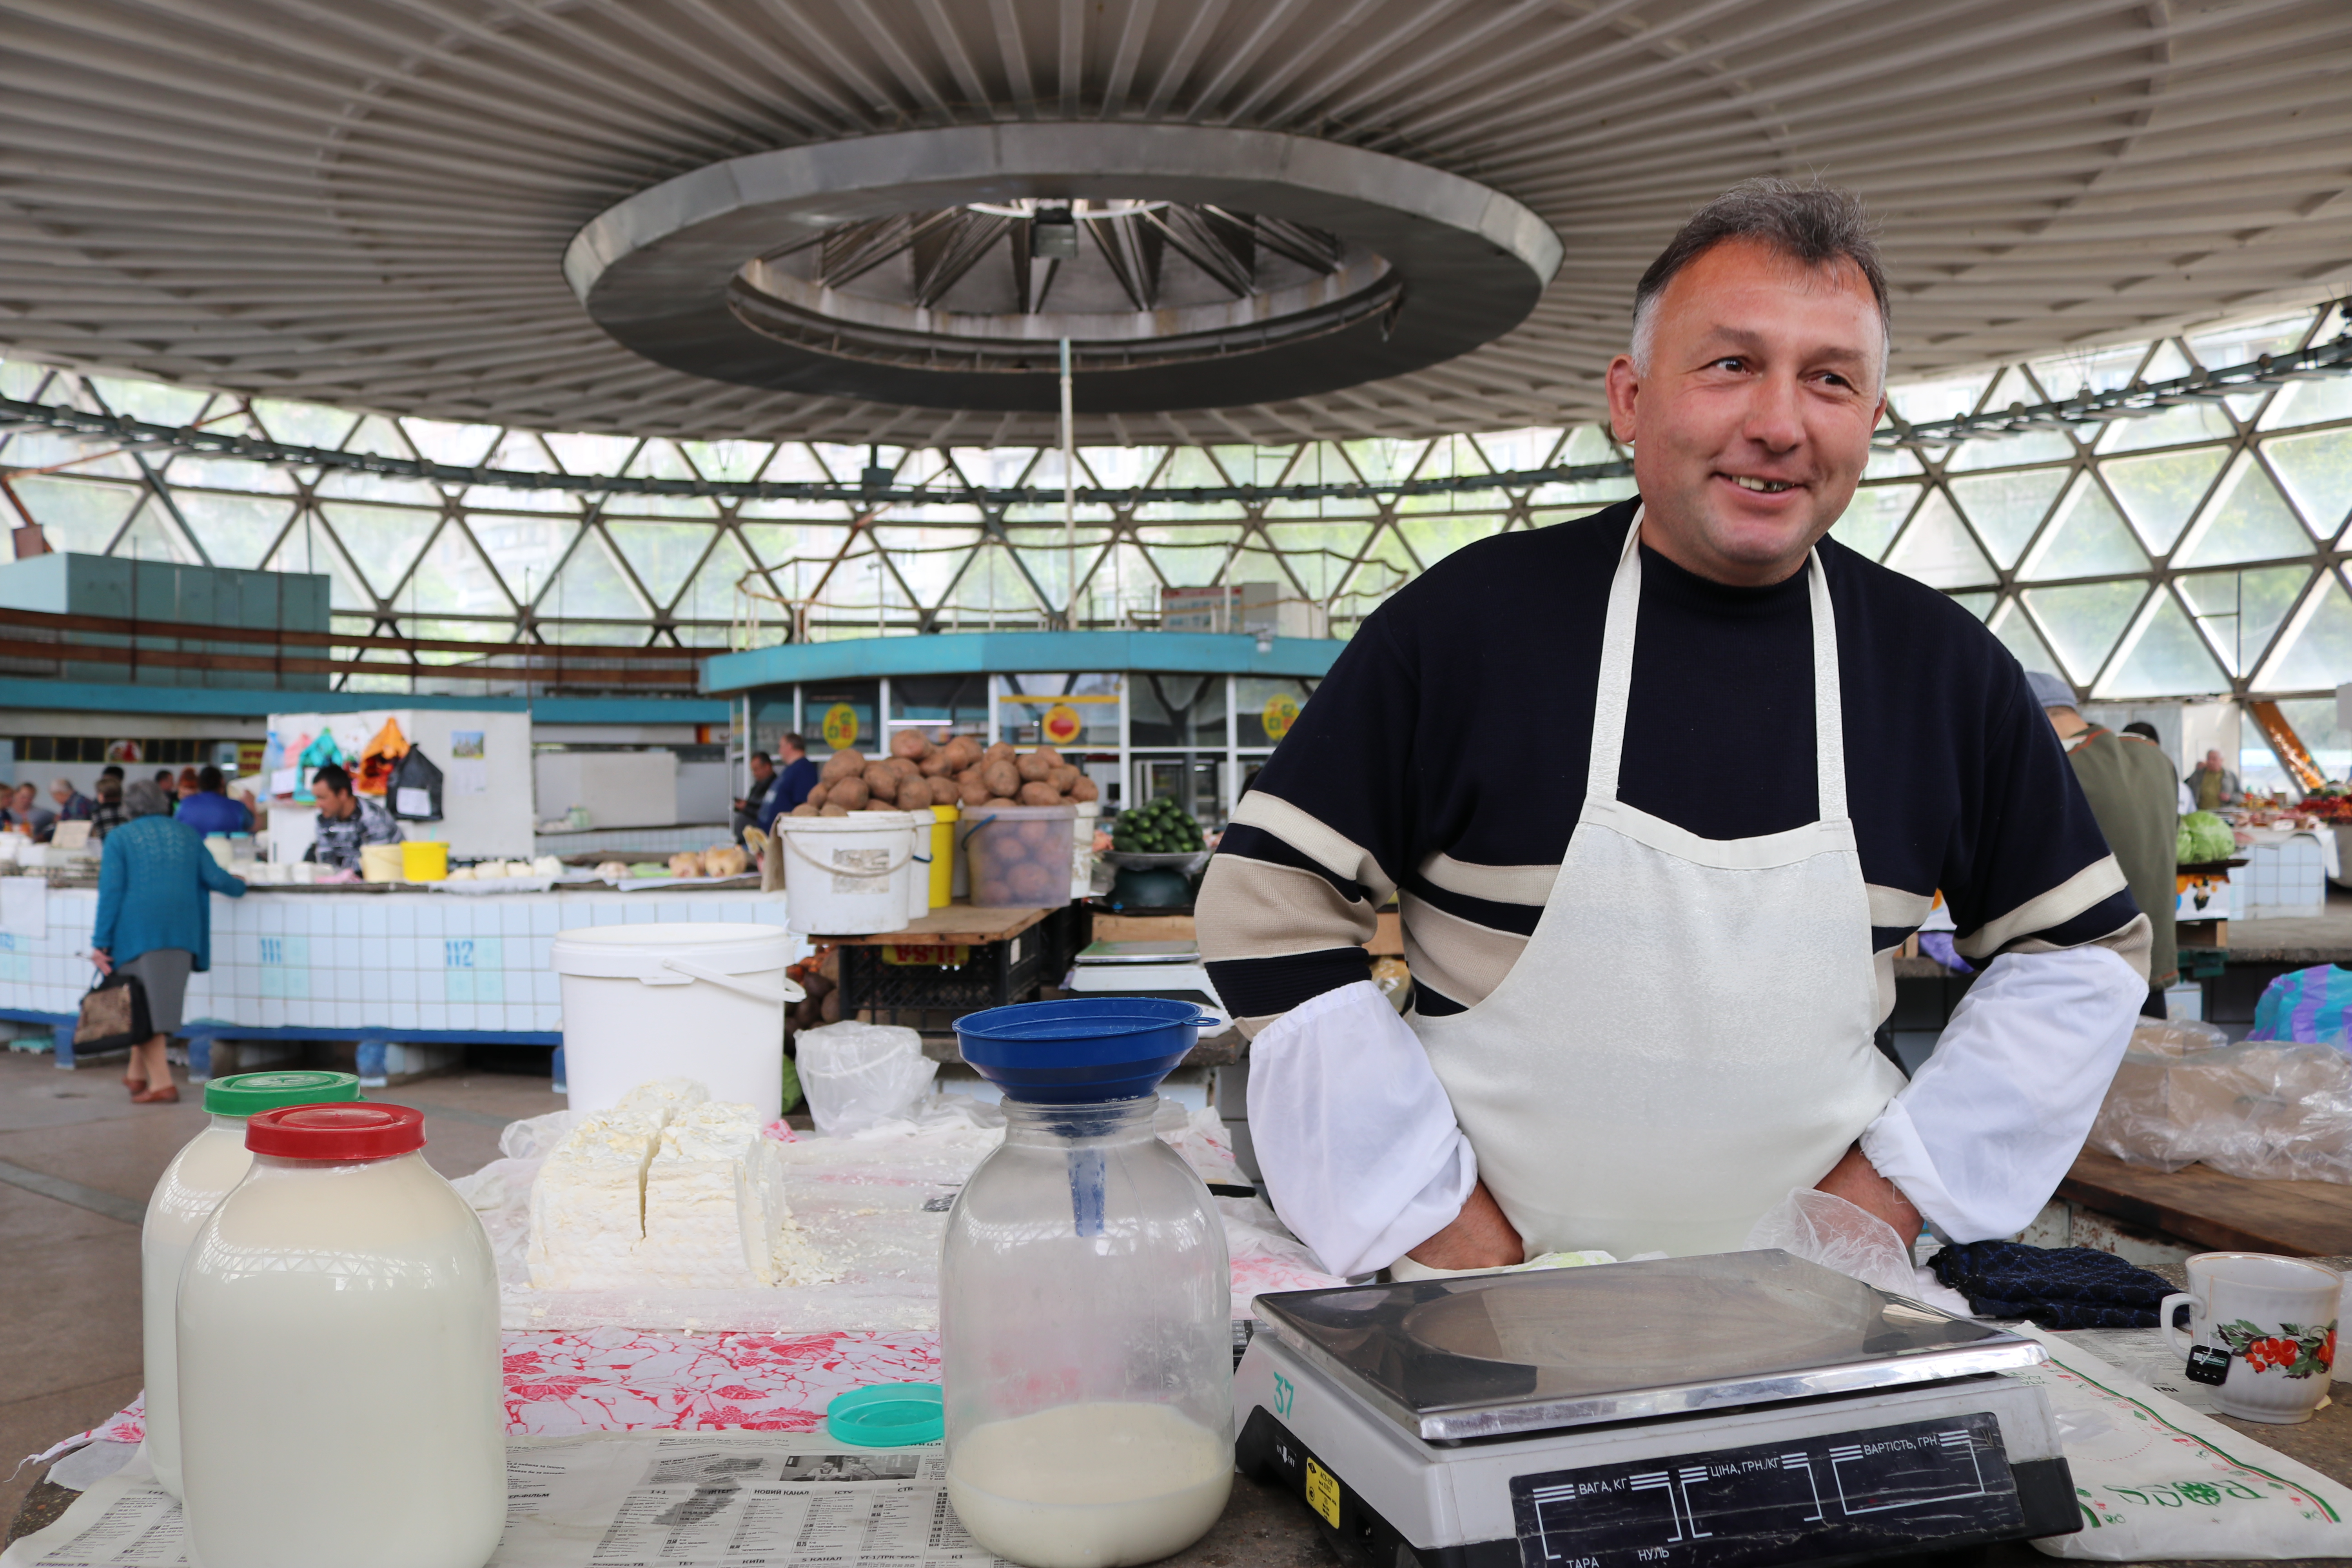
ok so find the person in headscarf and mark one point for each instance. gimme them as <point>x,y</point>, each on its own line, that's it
<point>154,921</point>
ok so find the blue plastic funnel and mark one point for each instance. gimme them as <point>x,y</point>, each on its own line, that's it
<point>1080,1051</point>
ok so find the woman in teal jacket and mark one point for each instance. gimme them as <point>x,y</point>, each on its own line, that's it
<point>155,920</point>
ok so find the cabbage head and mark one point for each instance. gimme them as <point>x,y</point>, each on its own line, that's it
<point>2203,837</point>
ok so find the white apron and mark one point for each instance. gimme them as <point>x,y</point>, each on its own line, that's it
<point>1687,1035</point>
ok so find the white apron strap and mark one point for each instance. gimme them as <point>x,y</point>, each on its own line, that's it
<point>1616,667</point>
<point>1829,725</point>
<point>1616,681</point>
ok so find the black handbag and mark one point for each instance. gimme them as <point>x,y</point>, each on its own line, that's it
<point>414,773</point>
<point>114,1016</point>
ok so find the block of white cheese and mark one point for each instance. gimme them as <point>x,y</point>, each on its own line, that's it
<point>667,1190</point>
<point>715,1212</point>
<point>587,1205</point>
<point>664,1099</point>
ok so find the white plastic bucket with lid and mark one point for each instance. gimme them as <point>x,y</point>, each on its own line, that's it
<point>918,875</point>
<point>847,876</point>
<point>693,1000</point>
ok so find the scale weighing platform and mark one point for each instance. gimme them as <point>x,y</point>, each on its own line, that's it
<point>1749,1408</point>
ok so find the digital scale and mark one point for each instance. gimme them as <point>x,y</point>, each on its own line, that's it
<point>1749,1408</point>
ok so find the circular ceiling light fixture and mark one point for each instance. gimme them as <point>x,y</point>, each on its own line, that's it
<point>1188,266</point>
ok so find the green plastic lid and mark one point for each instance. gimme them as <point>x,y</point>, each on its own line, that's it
<point>249,1092</point>
<point>887,1415</point>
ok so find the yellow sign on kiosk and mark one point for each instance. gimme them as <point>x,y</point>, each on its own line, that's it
<point>1061,725</point>
<point>840,726</point>
<point>1281,711</point>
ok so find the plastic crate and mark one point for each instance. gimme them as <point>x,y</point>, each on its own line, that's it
<point>996,974</point>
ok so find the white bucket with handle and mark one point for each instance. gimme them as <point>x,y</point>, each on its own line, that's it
<point>681,999</point>
<point>847,876</point>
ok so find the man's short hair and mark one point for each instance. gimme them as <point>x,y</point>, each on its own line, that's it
<point>65,785</point>
<point>109,786</point>
<point>211,780</point>
<point>165,776</point>
<point>763,757</point>
<point>331,778</point>
<point>2143,729</point>
<point>1811,224</point>
<point>111,770</point>
<point>795,742</point>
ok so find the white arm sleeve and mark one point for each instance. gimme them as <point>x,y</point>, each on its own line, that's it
<point>1354,1135</point>
<point>1983,1135</point>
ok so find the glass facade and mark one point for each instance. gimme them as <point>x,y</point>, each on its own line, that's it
<point>2196,551</point>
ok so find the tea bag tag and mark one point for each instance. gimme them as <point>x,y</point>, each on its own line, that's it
<point>2208,1364</point>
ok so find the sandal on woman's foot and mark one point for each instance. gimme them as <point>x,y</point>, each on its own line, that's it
<point>169,1094</point>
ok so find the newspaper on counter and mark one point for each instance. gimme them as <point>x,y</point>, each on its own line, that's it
<point>718,1501</point>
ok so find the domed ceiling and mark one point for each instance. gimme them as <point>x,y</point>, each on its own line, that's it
<point>412,206</point>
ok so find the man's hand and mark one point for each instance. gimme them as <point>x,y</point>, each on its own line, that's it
<point>1857,1181</point>
<point>105,962</point>
<point>1479,1238</point>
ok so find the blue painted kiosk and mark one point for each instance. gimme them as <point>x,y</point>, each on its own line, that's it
<point>1186,715</point>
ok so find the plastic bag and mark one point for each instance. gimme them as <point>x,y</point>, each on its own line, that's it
<point>1821,1227</point>
<point>2159,1037</point>
<point>2156,1480</point>
<point>857,1075</point>
<point>378,758</point>
<point>2270,1109</point>
<point>415,788</point>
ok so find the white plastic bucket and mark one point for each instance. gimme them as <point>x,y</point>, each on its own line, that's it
<point>918,875</point>
<point>847,876</point>
<point>675,1000</point>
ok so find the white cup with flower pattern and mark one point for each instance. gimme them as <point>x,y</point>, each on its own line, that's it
<point>2276,1319</point>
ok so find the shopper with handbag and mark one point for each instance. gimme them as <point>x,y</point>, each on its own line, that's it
<point>154,923</point>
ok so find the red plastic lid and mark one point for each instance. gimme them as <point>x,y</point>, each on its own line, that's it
<point>345,1132</point>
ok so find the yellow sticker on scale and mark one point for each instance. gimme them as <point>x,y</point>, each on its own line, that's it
<point>1323,1493</point>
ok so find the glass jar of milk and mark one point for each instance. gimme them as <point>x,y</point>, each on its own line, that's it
<point>340,1393</point>
<point>1086,1342</point>
<point>194,1183</point>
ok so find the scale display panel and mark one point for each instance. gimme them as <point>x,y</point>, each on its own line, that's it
<point>1487,1355</point>
<point>1871,1489</point>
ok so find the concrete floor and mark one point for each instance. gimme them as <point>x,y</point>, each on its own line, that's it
<point>77,1162</point>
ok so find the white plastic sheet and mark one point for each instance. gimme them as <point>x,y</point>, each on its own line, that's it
<point>2270,1109</point>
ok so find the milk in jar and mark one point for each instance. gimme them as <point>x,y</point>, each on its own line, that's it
<point>1085,1342</point>
<point>339,1393</point>
<point>198,1177</point>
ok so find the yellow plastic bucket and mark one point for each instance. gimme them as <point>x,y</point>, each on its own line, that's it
<point>943,855</point>
<point>381,862</point>
<point>423,860</point>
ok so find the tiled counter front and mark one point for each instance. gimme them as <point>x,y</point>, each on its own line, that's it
<point>378,964</point>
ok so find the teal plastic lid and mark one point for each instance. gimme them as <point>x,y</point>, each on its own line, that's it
<point>249,1092</point>
<point>887,1415</point>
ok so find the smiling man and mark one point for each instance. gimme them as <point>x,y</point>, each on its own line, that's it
<point>1660,791</point>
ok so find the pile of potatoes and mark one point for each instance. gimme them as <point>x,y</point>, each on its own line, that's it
<point>917,773</point>
<point>1017,863</point>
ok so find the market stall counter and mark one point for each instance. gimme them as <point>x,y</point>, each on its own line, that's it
<point>663,1420</point>
<point>411,975</point>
